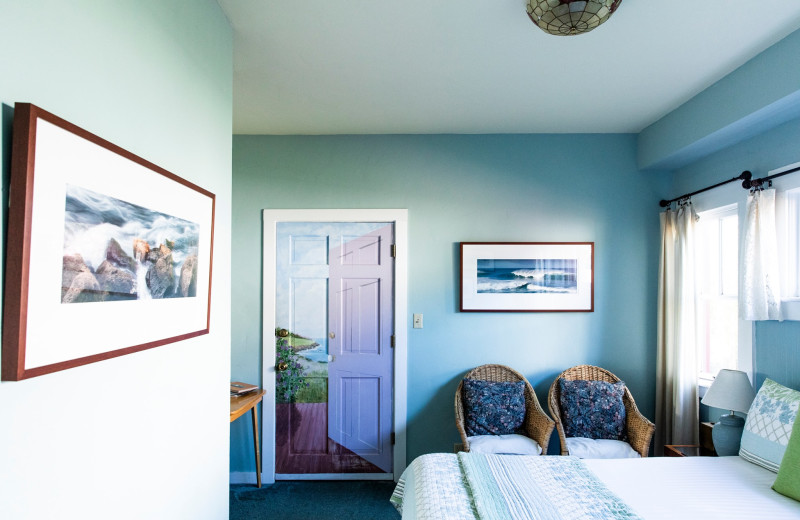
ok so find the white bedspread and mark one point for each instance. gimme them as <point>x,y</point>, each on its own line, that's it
<point>702,488</point>
<point>685,488</point>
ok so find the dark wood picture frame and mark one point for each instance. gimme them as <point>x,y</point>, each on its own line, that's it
<point>527,277</point>
<point>47,155</point>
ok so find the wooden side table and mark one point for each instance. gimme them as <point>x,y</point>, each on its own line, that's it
<point>706,442</point>
<point>704,449</point>
<point>240,404</point>
<point>682,450</point>
<point>687,450</point>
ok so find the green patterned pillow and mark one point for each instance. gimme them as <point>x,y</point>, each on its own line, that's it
<point>769,425</point>
<point>788,481</point>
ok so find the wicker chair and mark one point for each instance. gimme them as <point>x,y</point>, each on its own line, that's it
<point>537,425</point>
<point>638,427</point>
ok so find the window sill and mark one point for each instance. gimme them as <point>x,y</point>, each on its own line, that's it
<point>703,384</point>
<point>791,309</point>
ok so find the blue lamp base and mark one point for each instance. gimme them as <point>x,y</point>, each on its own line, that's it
<point>727,435</point>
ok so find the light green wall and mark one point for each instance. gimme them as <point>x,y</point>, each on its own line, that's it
<point>143,435</point>
<point>467,188</point>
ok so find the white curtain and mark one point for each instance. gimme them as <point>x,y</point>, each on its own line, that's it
<point>676,368</point>
<point>759,290</point>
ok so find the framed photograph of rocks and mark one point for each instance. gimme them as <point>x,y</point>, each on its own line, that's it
<point>107,253</point>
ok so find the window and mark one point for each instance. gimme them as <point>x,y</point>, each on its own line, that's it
<point>787,220</point>
<point>791,276</point>
<point>717,318</point>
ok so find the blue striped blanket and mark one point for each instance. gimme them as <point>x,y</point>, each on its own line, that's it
<point>495,487</point>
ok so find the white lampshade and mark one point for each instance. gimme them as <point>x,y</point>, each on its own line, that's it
<point>731,390</point>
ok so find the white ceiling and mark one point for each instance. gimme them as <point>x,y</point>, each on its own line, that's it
<point>481,66</point>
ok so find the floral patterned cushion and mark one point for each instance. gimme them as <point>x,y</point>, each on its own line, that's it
<point>593,409</point>
<point>769,424</point>
<point>492,408</point>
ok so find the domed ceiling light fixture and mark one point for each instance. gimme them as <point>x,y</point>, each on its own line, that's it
<point>570,17</point>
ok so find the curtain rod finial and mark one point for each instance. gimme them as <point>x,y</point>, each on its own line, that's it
<point>746,176</point>
<point>664,203</point>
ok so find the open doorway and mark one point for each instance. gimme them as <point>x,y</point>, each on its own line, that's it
<point>334,344</point>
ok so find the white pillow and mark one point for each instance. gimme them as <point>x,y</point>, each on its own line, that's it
<point>584,448</point>
<point>511,443</point>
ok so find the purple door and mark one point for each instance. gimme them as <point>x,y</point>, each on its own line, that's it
<point>334,298</point>
<point>360,369</point>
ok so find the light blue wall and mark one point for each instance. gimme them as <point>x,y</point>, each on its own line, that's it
<point>778,352</point>
<point>760,95</point>
<point>759,154</point>
<point>143,435</point>
<point>467,188</point>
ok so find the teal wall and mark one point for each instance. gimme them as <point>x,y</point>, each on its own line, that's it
<point>143,435</point>
<point>467,188</point>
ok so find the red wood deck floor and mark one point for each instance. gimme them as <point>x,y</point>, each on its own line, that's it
<point>302,444</point>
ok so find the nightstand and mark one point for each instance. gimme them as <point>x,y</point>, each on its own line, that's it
<point>704,449</point>
<point>683,450</point>
<point>706,442</point>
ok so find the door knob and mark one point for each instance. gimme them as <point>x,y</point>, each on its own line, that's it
<point>332,335</point>
<point>283,333</point>
<point>281,366</point>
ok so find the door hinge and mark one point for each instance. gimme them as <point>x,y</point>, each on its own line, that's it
<point>394,250</point>
<point>392,437</point>
<point>392,343</point>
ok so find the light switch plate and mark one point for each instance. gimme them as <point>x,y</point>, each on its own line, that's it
<point>418,321</point>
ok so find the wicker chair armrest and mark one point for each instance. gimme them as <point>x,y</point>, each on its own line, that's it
<point>539,426</point>
<point>555,412</point>
<point>459,410</point>
<point>639,428</point>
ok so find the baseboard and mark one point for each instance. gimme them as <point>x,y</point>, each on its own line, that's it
<point>335,476</point>
<point>249,477</point>
<point>243,477</point>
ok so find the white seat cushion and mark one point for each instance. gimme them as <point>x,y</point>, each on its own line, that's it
<point>510,443</point>
<point>584,448</point>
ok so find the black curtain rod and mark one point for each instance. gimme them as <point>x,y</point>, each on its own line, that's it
<point>745,177</point>
<point>757,183</point>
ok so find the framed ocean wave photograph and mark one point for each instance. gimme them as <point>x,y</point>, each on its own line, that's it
<point>108,254</point>
<point>527,276</point>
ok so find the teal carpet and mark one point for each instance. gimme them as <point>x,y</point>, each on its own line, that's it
<point>313,500</point>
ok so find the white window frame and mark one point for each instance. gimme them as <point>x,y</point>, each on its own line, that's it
<point>720,198</point>
<point>792,244</point>
<point>717,214</point>
<point>787,220</point>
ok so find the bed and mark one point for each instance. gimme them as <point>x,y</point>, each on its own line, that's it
<point>465,486</point>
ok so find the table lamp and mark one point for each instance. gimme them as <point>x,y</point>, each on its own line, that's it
<point>731,390</point>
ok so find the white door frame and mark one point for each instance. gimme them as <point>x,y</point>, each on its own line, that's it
<point>399,217</point>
